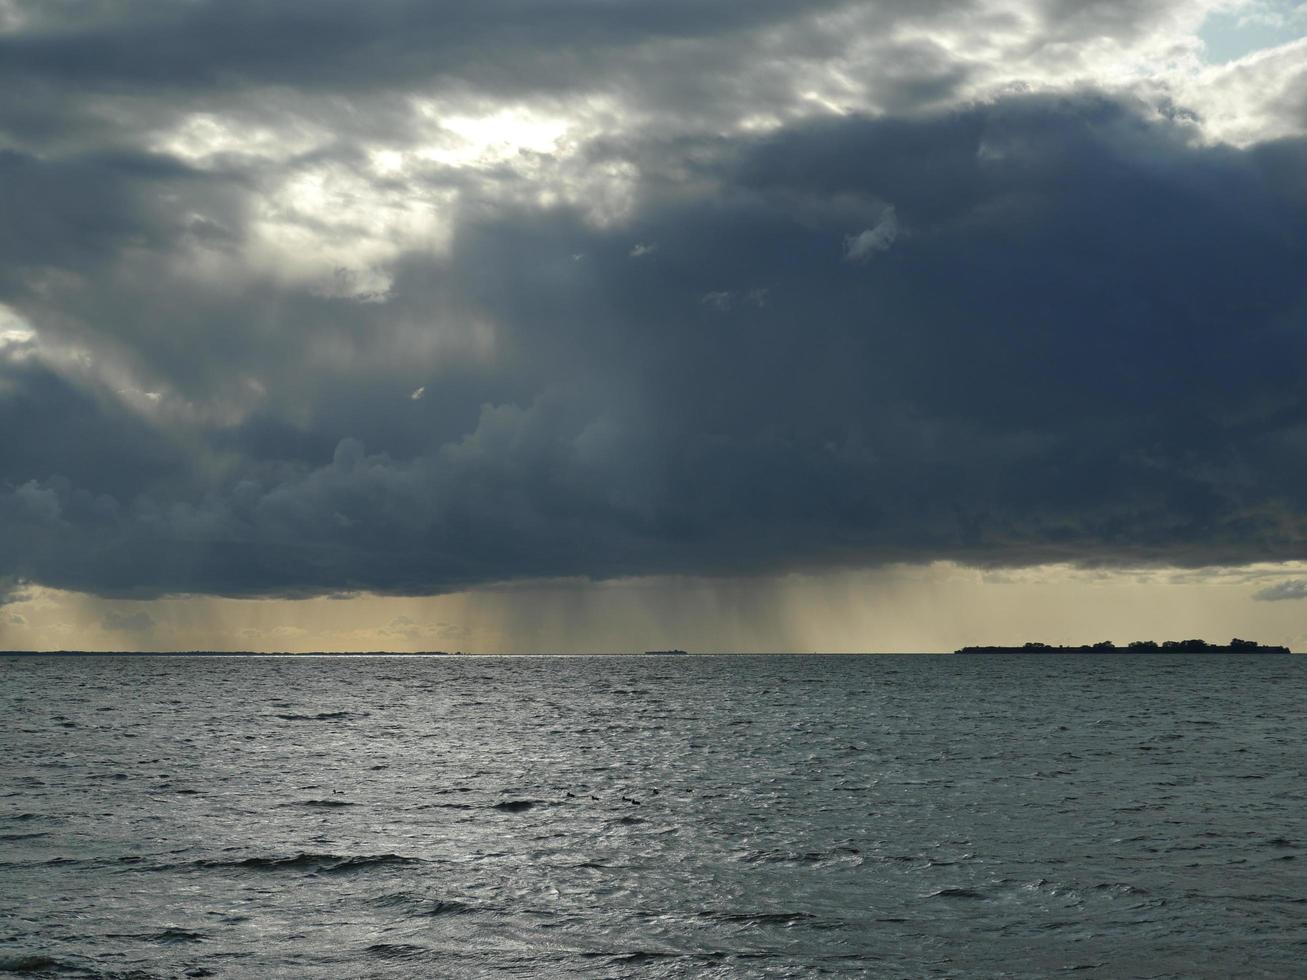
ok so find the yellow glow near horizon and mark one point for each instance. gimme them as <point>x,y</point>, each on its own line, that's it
<point>925,608</point>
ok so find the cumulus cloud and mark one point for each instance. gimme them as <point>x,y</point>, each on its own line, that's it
<point>222,258</point>
<point>1280,591</point>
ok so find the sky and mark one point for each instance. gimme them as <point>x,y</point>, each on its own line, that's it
<point>598,325</point>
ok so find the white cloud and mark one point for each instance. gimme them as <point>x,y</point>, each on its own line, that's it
<point>866,244</point>
<point>14,330</point>
<point>726,299</point>
<point>1259,97</point>
<point>336,229</point>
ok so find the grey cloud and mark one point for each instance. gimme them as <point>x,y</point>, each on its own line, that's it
<point>12,590</point>
<point>74,212</point>
<point>1037,408</point>
<point>1280,591</point>
<point>239,42</point>
<point>56,427</point>
<point>113,74</point>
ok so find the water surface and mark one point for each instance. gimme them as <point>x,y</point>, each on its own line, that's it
<point>653,817</point>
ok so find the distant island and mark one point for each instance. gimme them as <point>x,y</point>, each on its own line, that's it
<point>1235,646</point>
<point>665,653</point>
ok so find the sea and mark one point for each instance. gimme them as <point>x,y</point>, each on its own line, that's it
<point>730,816</point>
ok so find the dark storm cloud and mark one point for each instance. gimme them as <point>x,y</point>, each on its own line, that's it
<point>1027,329</point>
<point>684,53</point>
<point>78,212</point>
<point>103,73</point>
<point>1084,342</point>
<point>99,72</point>
<point>506,43</point>
<point>52,425</point>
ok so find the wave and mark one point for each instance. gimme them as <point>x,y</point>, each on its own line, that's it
<point>957,893</point>
<point>35,963</point>
<point>175,935</point>
<point>419,906</point>
<point>1273,898</point>
<point>172,935</point>
<point>759,918</point>
<point>315,863</point>
<point>516,806</point>
<point>399,951</point>
<point>1120,888</point>
<point>835,855</point>
<point>446,806</point>
<point>325,716</point>
<point>325,804</point>
<point>643,956</point>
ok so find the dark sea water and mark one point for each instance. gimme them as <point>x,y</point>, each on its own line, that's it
<point>654,817</point>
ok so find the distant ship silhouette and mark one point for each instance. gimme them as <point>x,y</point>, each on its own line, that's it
<point>665,653</point>
<point>1235,646</point>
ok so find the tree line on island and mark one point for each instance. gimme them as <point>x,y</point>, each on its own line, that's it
<point>1236,645</point>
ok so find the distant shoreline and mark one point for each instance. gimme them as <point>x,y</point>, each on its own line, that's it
<point>635,655</point>
<point>1235,648</point>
